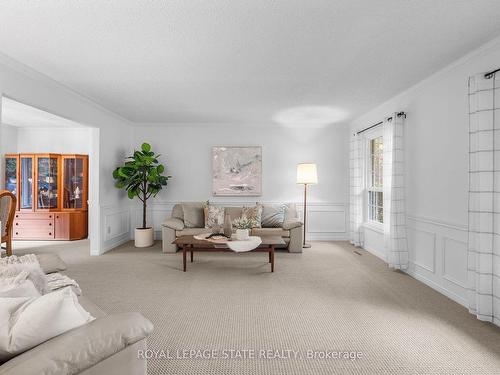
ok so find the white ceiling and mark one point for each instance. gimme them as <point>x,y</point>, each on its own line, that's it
<point>25,116</point>
<point>242,62</point>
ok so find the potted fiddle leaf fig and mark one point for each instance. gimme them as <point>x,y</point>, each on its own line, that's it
<point>142,177</point>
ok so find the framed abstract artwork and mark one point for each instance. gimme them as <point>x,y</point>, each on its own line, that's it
<point>237,171</point>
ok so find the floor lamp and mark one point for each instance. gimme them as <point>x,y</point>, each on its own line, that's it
<point>306,175</point>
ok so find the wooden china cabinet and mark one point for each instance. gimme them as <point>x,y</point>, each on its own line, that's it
<point>51,191</point>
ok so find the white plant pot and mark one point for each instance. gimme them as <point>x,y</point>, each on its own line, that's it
<point>242,234</point>
<point>144,237</point>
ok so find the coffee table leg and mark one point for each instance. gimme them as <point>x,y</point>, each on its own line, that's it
<point>269,255</point>
<point>272,258</point>
<point>184,250</point>
<point>191,255</point>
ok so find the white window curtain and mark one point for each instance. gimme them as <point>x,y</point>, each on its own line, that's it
<point>356,189</point>
<point>394,193</point>
<point>484,198</point>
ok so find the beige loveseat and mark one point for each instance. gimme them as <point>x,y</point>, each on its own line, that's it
<point>175,226</point>
<point>107,345</point>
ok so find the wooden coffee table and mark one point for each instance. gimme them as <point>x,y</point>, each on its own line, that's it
<point>191,244</point>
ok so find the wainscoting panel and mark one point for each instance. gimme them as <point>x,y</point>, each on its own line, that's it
<point>438,256</point>
<point>455,261</point>
<point>326,221</point>
<point>115,226</point>
<point>422,248</point>
<point>437,253</point>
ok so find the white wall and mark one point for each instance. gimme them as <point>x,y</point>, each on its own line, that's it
<point>436,163</point>
<point>111,133</point>
<point>187,152</point>
<point>8,145</point>
<point>56,140</point>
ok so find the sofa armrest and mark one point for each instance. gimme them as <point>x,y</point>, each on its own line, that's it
<point>174,223</point>
<point>82,347</point>
<point>292,223</point>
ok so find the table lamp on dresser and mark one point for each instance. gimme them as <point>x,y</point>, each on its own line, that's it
<point>307,174</point>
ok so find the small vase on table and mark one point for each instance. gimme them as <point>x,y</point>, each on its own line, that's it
<point>228,226</point>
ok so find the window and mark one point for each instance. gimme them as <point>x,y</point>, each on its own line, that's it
<point>375,183</point>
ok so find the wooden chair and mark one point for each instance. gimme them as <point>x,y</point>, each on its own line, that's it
<point>7,212</point>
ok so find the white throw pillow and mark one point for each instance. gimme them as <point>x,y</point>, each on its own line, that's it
<point>36,275</point>
<point>27,322</point>
<point>18,286</point>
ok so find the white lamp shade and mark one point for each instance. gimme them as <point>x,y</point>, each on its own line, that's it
<point>307,173</point>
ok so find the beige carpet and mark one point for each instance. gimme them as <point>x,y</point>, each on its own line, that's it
<point>327,298</point>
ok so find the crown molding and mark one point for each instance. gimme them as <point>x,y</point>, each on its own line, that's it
<point>484,48</point>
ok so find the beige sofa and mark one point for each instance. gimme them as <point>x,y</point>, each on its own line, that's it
<point>108,345</point>
<point>290,230</point>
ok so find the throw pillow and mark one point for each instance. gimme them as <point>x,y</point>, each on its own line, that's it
<point>214,216</point>
<point>51,263</point>
<point>36,275</point>
<point>253,213</point>
<point>273,215</point>
<point>27,322</point>
<point>290,211</point>
<point>18,286</point>
<point>193,215</point>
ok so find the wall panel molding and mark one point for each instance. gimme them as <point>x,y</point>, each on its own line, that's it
<point>455,261</point>
<point>438,254</point>
<point>115,226</point>
<point>449,258</point>
<point>422,248</point>
<point>327,221</point>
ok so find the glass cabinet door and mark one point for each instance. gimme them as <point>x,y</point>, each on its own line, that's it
<point>11,174</point>
<point>47,191</point>
<point>73,182</point>
<point>26,176</point>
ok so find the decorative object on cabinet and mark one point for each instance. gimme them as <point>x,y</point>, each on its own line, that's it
<point>51,191</point>
<point>142,177</point>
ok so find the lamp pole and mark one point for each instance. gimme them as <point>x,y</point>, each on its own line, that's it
<point>306,174</point>
<point>304,244</point>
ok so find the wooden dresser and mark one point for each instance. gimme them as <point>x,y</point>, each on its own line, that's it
<point>51,192</point>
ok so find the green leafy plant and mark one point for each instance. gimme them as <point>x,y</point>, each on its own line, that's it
<point>244,223</point>
<point>141,176</point>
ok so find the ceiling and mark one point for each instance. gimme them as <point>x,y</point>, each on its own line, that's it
<point>25,116</point>
<point>243,62</point>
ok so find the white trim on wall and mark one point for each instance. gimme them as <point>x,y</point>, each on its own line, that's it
<point>335,215</point>
<point>115,226</point>
<point>438,254</point>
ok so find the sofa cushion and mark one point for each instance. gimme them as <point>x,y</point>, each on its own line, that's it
<point>270,232</point>
<point>177,212</point>
<point>81,348</point>
<point>234,212</point>
<point>193,215</point>
<point>273,215</point>
<point>292,223</point>
<point>191,231</point>
<point>174,223</point>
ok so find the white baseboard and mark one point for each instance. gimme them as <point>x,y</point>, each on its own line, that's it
<point>115,242</point>
<point>453,296</point>
<point>375,252</point>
